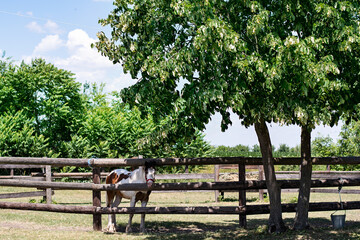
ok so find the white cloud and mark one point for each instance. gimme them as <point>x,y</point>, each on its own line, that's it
<point>52,27</point>
<point>49,27</point>
<point>82,56</point>
<point>47,44</point>
<point>78,38</point>
<point>35,27</point>
<point>76,55</point>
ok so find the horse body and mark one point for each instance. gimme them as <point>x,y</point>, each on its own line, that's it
<point>121,176</point>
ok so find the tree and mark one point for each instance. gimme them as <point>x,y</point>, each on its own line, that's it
<point>323,76</point>
<point>113,129</point>
<point>275,61</point>
<point>18,137</point>
<point>349,144</point>
<point>283,148</point>
<point>46,94</point>
<point>216,54</point>
<point>324,147</point>
<point>238,150</point>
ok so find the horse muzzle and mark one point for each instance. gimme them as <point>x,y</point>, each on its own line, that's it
<point>149,182</point>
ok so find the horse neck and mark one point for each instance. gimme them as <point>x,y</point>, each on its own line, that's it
<point>139,174</point>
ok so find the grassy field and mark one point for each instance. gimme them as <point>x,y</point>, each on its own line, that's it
<point>15,224</point>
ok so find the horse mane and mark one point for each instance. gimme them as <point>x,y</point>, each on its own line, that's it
<point>150,164</point>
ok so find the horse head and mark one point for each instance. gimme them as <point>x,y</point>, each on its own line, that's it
<point>150,173</point>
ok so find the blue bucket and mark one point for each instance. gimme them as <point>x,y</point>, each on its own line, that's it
<point>338,221</point>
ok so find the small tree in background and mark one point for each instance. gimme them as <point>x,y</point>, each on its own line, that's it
<point>324,147</point>
<point>349,144</point>
<point>46,94</point>
<point>18,137</point>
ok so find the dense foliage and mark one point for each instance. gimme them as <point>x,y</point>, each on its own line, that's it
<point>18,137</point>
<point>46,94</point>
<point>45,112</point>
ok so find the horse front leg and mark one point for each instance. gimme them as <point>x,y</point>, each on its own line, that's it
<point>128,227</point>
<point>112,219</point>
<point>142,224</point>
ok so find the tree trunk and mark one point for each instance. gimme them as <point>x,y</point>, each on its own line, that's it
<point>276,223</point>
<point>301,217</point>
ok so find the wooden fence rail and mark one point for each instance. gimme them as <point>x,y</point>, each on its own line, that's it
<point>80,175</point>
<point>243,185</point>
<point>45,193</point>
<point>61,162</point>
<point>242,210</point>
<point>187,176</point>
<point>246,210</point>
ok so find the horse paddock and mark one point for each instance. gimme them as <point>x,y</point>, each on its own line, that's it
<point>16,224</point>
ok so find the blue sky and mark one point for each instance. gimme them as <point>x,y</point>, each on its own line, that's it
<point>61,32</point>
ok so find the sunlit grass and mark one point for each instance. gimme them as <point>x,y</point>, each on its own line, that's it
<point>15,224</point>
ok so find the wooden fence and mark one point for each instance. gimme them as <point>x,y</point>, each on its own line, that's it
<point>242,185</point>
<point>217,176</point>
<point>287,175</point>
<point>45,193</point>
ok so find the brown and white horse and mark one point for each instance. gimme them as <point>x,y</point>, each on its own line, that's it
<point>121,176</point>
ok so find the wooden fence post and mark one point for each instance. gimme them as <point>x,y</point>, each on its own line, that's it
<point>261,177</point>
<point>48,179</point>
<point>216,179</point>
<point>97,226</point>
<point>242,196</point>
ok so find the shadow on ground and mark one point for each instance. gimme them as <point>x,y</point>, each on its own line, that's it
<point>256,229</point>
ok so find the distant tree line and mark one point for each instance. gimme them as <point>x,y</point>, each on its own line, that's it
<point>347,145</point>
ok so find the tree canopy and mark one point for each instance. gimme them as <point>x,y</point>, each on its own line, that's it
<point>273,60</point>
<point>46,94</point>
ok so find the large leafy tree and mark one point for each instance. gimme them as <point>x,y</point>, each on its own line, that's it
<point>46,94</point>
<point>267,61</point>
<point>322,70</point>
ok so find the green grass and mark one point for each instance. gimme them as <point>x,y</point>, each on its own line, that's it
<point>15,224</point>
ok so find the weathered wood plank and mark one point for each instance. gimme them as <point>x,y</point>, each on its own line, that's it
<point>48,207</point>
<point>185,176</point>
<point>158,176</point>
<point>249,184</point>
<point>17,166</point>
<point>48,179</point>
<point>170,161</point>
<point>242,196</point>
<point>22,194</point>
<point>216,179</point>
<point>23,178</point>
<point>97,225</point>
<point>248,210</point>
